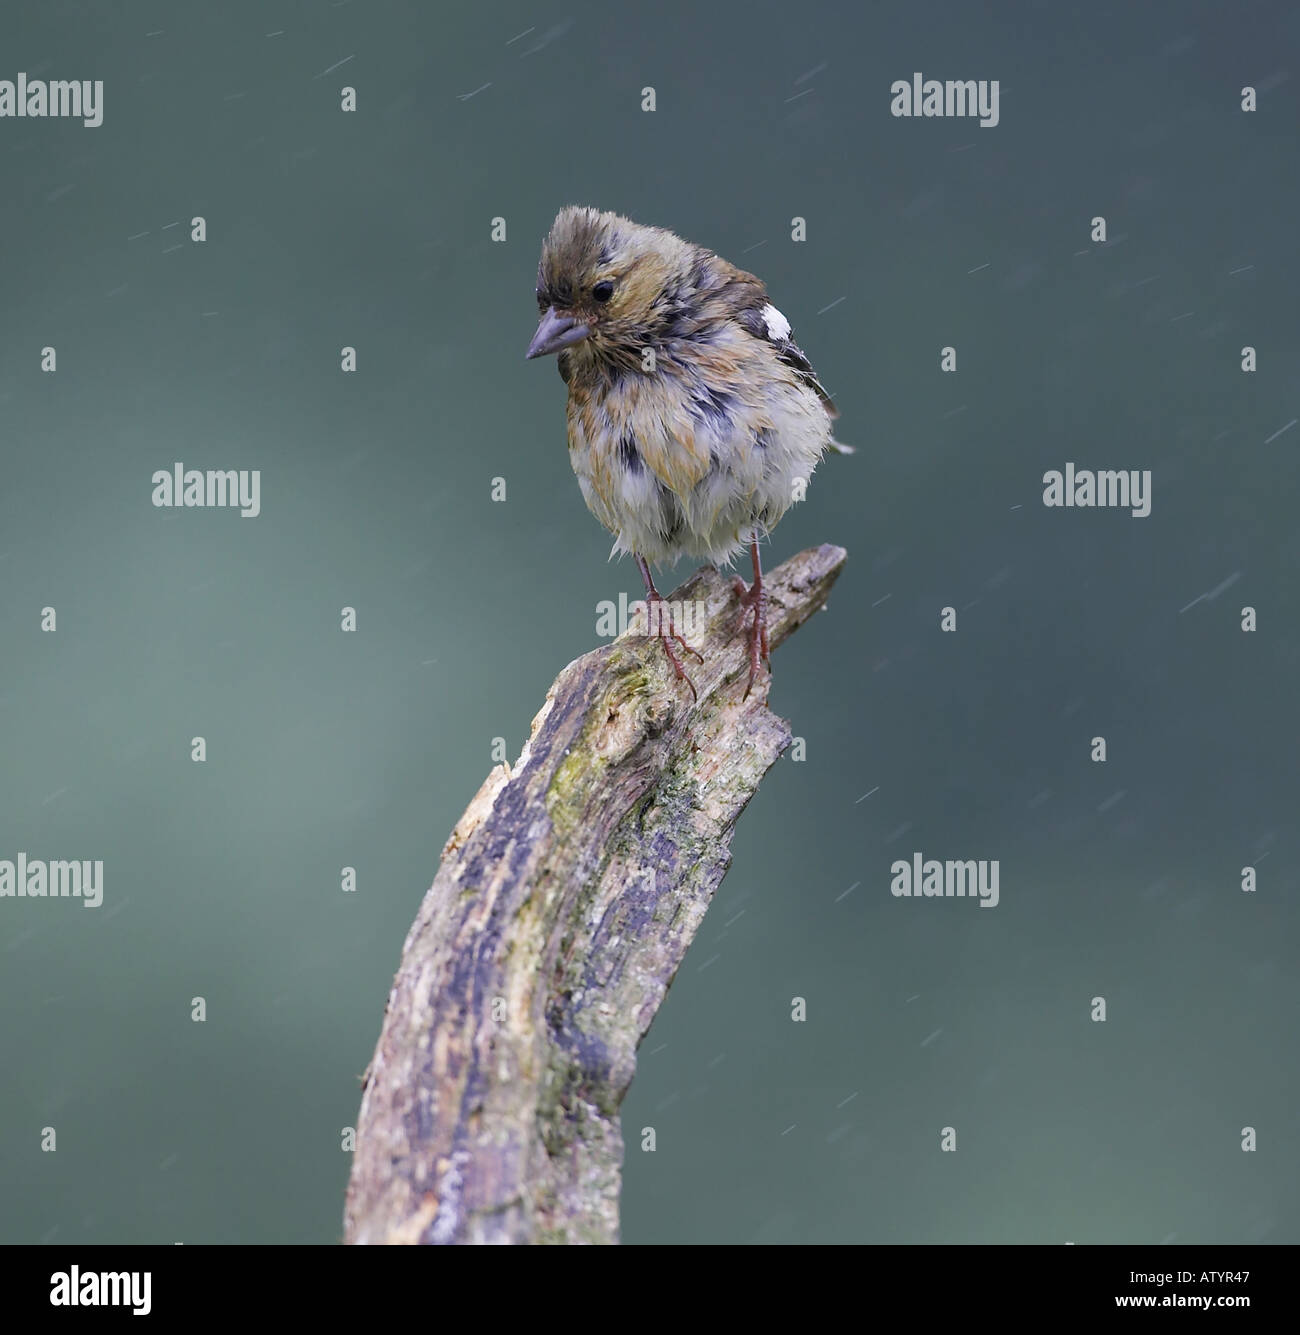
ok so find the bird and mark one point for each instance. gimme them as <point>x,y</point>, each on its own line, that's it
<point>694,419</point>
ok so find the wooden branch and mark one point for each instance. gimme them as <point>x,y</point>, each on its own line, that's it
<point>565,901</point>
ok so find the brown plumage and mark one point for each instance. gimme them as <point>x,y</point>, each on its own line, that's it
<point>694,419</point>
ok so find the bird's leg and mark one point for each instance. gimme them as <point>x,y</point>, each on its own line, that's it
<point>659,621</point>
<point>754,597</point>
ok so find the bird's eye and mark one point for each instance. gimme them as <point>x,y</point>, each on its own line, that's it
<point>603,291</point>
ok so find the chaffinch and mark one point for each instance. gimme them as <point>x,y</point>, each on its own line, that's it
<point>692,413</point>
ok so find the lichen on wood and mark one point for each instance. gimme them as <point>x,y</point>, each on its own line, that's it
<point>567,896</point>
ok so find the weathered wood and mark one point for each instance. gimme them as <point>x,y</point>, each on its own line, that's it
<point>565,901</point>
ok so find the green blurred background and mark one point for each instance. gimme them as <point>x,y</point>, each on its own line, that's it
<point>324,750</point>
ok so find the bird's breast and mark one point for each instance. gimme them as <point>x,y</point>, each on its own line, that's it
<point>676,428</point>
<point>681,459</point>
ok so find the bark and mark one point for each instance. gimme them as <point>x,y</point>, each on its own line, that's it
<point>565,901</point>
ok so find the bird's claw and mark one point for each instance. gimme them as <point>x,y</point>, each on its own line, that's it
<point>661,626</point>
<point>753,595</point>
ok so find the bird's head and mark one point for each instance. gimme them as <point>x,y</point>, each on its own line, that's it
<point>605,284</point>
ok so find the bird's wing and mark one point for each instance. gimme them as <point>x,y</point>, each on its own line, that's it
<point>751,308</point>
<point>794,356</point>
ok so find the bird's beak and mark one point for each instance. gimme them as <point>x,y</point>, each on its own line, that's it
<point>555,332</point>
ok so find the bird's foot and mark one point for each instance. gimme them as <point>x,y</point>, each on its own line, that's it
<point>753,595</point>
<point>659,622</point>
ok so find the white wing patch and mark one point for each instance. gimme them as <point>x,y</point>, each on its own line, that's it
<point>778,327</point>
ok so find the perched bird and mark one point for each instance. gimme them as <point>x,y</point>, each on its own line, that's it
<point>693,417</point>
